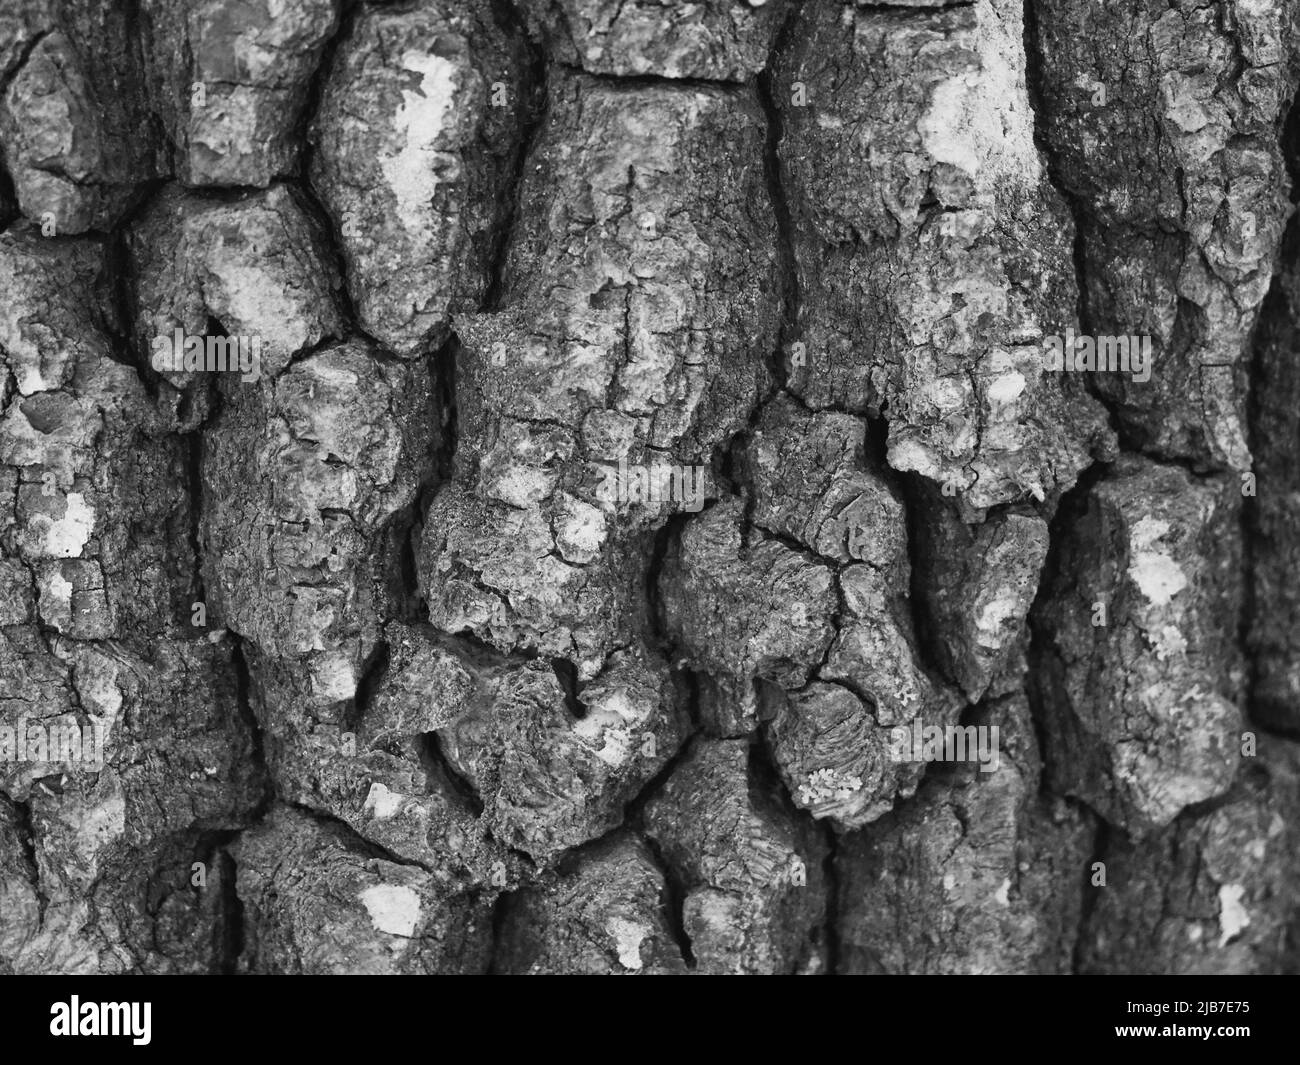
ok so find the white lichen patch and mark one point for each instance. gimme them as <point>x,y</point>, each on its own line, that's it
<point>828,785</point>
<point>1157,576</point>
<point>1168,641</point>
<point>580,532</point>
<point>103,822</point>
<point>1233,917</point>
<point>628,936</point>
<point>1183,104</point>
<point>65,537</point>
<point>909,455</point>
<point>412,172</point>
<point>97,686</point>
<point>37,364</point>
<point>610,722</point>
<point>980,121</point>
<point>333,677</point>
<point>1005,606</point>
<point>393,909</point>
<point>1008,388</point>
<point>617,747</point>
<point>381,803</point>
<point>514,483</point>
<point>256,303</point>
<point>55,599</point>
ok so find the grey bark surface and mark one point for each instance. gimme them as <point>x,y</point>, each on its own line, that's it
<point>391,680</point>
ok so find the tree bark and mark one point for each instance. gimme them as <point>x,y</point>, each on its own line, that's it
<point>514,485</point>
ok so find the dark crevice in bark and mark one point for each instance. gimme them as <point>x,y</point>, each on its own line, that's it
<point>1278,729</point>
<point>730,458</point>
<point>1251,773</point>
<point>917,494</point>
<point>27,838</point>
<point>120,289</point>
<point>6,179</point>
<point>786,258</point>
<point>1276,321</point>
<point>658,639</point>
<point>1072,506</point>
<point>138,28</point>
<point>353,839</point>
<point>1130,436</point>
<point>731,450</point>
<point>373,671</point>
<point>444,457</point>
<point>729,454</point>
<point>194,481</point>
<point>533,101</point>
<point>445,360</point>
<point>438,766</point>
<point>300,183</point>
<point>187,63</point>
<point>403,531</point>
<point>831,871</point>
<point>401,536</point>
<point>440,469</point>
<point>794,546</point>
<point>474,648</point>
<point>8,196</point>
<point>1100,848</point>
<point>764,781</point>
<point>500,914</point>
<point>875,445</point>
<point>243,691</point>
<point>864,412</point>
<point>193,443</point>
<point>847,683</point>
<point>21,61</point>
<point>230,924</point>
<point>1274,313</point>
<point>768,793</point>
<point>567,674</point>
<point>689,680</point>
<point>675,888</point>
<point>316,87</point>
<point>633,82</point>
<point>675,892</point>
<point>326,229</point>
<point>227,194</point>
<point>906,11</point>
<point>663,538</point>
<point>1034,82</point>
<point>634,810</point>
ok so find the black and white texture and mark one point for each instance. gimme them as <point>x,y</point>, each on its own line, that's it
<point>399,656</point>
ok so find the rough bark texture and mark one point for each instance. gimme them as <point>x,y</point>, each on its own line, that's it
<point>649,424</point>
